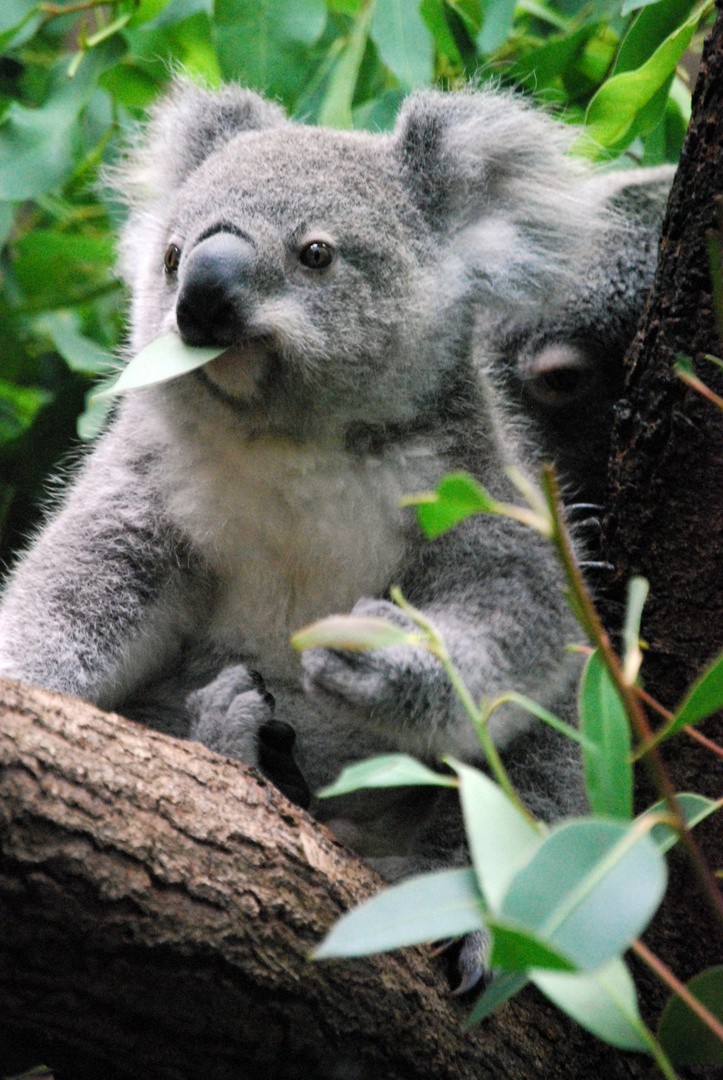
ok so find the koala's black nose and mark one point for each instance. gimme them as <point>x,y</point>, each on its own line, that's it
<point>213,300</point>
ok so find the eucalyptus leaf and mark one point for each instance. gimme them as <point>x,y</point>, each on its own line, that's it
<point>604,723</point>
<point>703,699</point>
<point>612,111</point>
<point>501,839</point>
<point>604,1002</point>
<point>335,108</point>
<point>165,358</point>
<point>404,43</point>
<point>498,18</point>
<point>456,497</point>
<point>355,632</point>
<point>503,987</point>
<point>426,908</point>
<point>695,808</point>
<point>590,888</point>
<point>684,1036</point>
<point>387,770</point>
<point>79,352</point>
<point>515,948</point>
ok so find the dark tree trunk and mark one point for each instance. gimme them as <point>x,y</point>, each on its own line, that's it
<point>666,499</point>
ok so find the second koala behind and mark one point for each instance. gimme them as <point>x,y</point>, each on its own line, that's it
<point>225,509</point>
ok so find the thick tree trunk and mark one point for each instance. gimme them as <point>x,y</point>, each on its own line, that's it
<point>666,498</point>
<point>157,907</point>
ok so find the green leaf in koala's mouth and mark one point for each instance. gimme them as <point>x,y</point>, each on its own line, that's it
<point>165,358</point>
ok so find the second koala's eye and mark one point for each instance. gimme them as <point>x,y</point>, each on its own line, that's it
<point>172,258</point>
<point>317,255</point>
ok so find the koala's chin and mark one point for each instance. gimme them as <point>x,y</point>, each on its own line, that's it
<point>239,373</point>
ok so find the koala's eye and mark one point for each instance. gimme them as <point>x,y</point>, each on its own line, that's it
<point>172,258</point>
<point>317,255</point>
<point>558,386</point>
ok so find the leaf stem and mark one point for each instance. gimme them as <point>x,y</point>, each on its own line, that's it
<point>435,644</point>
<point>589,619</point>
<point>55,10</point>
<point>666,975</point>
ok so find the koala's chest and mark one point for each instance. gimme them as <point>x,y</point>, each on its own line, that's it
<point>293,534</point>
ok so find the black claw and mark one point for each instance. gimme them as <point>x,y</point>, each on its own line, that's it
<point>276,761</point>
<point>277,735</point>
<point>258,680</point>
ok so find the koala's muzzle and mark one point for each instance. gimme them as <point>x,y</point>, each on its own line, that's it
<point>213,302</point>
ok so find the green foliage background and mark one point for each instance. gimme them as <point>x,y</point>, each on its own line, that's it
<point>76,75</point>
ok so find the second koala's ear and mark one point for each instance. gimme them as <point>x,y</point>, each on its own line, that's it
<point>185,127</point>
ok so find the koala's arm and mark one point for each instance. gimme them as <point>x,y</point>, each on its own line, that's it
<point>494,591</point>
<point>96,605</point>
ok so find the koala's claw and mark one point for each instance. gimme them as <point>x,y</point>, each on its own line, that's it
<point>226,715</point>
<point>234,715</point>
<point>469,961</point>
<point>276,739</point>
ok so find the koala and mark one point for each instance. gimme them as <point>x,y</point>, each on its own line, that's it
<point>563,367</point>
<point>344,273</point>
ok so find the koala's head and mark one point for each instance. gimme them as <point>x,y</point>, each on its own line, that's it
<point>564,367</point>
<point>343,268</point>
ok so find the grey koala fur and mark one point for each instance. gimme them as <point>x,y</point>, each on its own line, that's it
<point>225,509</point>
<point>563,367</point>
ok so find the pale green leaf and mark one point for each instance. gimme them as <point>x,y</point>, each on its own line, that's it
<point>165,358</point>
<point>501,839</point>
<point>589,889</point>
<point>404,43</point>
<point>695,808</point>
<point>79,352</point>
<point>387,770</point>
<point>604,1002</point>
<point>426,908</point>
<point>355,632</point>
<point>498,18</point>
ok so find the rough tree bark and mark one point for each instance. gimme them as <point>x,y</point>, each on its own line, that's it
<point>157,907</point>
<point>157,902</point>
<point>666,502</point>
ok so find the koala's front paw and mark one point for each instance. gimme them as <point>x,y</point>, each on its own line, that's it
<point>471,962</point>
<point>234,715</point>
<point>226,715</point>
<point>378,678</point>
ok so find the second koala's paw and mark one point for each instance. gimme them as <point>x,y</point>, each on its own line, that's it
<point>234,715</point>
<point>468,961</point>
<point>380,677</point>
<point>226,715</point>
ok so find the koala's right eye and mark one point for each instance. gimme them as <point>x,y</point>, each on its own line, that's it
<point>172,258</point>
<point>317,255</point>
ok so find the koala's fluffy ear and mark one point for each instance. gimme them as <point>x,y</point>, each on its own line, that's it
<point>493,172</point>
<point>185,127</point>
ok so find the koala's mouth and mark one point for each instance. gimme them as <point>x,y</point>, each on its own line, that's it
<point>240,372</point>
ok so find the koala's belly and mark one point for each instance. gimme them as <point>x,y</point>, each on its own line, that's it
<point>294,534</point>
